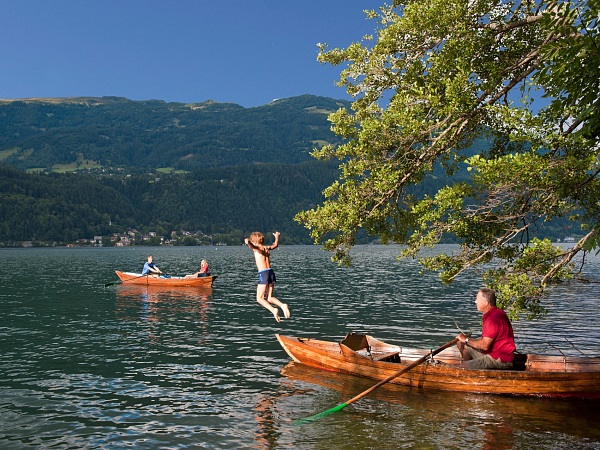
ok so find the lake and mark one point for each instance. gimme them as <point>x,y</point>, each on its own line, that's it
<point>88,366</point>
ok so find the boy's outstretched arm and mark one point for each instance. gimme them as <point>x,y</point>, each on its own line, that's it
<point>276,243</point>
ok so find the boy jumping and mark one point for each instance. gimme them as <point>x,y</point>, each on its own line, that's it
<point>266,275</point>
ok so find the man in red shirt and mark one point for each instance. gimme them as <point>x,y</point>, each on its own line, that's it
<point>496,346</point>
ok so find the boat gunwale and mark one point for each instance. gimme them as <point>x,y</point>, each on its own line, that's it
<point>173,281</point>
<point>448,377</point>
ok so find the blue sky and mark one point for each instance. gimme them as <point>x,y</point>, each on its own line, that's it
<point>241,51</point>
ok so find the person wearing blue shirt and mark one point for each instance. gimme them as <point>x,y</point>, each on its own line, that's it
<point>150,268</point>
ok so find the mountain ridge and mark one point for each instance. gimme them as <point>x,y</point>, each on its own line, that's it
<point>118,132</point>
<point>160,167</point>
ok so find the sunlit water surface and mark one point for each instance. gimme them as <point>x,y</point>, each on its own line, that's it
<point>88,366</point>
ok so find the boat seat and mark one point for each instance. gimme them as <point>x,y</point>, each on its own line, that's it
<point>356,342</point>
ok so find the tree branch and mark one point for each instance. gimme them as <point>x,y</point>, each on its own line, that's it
<point>568,256</point>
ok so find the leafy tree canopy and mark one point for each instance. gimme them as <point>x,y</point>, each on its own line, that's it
<point>438,74</point>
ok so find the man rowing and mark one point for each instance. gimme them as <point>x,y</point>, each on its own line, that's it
<point>496,346</point>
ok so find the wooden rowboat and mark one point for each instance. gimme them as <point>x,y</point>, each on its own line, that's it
<point>532,375</point>
<point>138,278</point>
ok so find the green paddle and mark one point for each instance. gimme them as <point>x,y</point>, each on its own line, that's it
<point>372,388</point>
<point>121,281</point>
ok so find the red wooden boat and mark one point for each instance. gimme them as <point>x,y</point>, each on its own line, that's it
<point>532,375</point>
<point>148,280</point>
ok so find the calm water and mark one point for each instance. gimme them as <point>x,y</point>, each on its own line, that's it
<point>84,366</point>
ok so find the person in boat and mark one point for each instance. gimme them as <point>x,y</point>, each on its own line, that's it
<point>202,272</point>
<point>496,346</point>
<point>150,269</point>
<point>266,275</point>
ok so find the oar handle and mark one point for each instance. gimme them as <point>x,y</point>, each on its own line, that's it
<point>403,371</point>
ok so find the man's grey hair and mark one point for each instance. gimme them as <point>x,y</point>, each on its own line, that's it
<point>489,295</point>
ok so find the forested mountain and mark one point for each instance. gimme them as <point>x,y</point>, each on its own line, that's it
<point>240,169</point>
<point>116,132</point>
<point>244,169</point>
<point>227,203</point>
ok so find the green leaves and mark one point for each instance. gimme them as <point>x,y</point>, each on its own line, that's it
<point>571,69</point>
<point>438,75</point>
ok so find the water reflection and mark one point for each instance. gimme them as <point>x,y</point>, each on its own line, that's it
<point>267,434</point>
<point>156,301</point>
<point>148,367</point>
<point>163,305</point>
<point>439,419</point>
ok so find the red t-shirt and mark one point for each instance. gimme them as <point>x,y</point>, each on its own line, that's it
<point>497,327</point>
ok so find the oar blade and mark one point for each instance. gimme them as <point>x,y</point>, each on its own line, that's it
<point>112,283</point>
<point>321,414</point>
<point>381,383</point>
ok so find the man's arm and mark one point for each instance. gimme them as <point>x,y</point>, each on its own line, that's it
<point>483,343</point>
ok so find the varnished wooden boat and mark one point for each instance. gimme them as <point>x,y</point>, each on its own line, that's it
<point>138,278</point>
<point>532,375</point>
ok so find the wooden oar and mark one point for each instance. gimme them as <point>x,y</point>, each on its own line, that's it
<point>372,388</point>
<point>121,281</point>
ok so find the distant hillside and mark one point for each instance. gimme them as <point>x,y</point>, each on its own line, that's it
<point>218,169</point>
<point>113,132</point>
<point>225,204</point>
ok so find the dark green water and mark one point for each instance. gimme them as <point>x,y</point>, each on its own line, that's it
<point>84,366</point>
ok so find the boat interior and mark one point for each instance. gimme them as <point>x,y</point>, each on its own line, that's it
<point>376,350</point>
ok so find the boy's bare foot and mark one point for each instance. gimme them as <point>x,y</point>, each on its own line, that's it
<point>286,310</point>
<point>276,315</point>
